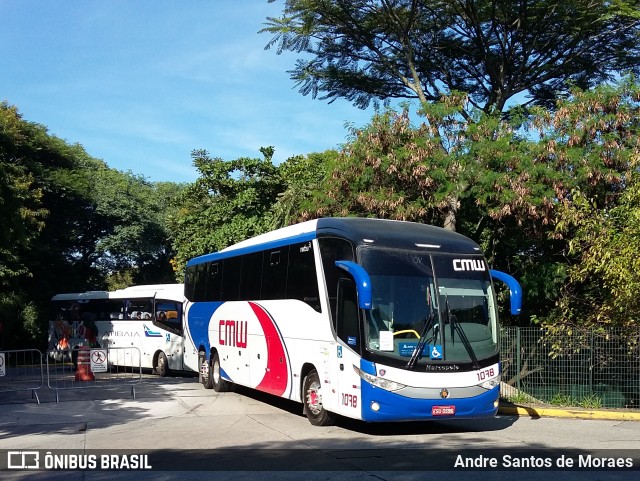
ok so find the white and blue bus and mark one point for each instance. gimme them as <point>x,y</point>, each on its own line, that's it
<point>145,319</point>
<point>371,319</point>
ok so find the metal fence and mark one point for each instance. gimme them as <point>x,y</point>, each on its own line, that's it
<point>581,368</point>
<point>113,368</point>
<point>21,370</point>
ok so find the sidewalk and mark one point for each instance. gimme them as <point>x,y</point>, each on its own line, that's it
<point>507,408</point>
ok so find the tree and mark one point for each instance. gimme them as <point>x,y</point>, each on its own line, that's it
<point>229,202</point>
<point>28,155</point>
<point>372,50</point>
<point>602,226</point>
<point>508,175</point>
<point>21,209</point>
<point>133,235</point>
<point>301,175</point>
<point>69,223</point>
<point>234,200</point>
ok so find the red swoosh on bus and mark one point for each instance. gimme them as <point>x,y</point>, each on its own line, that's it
<point>276,376</point>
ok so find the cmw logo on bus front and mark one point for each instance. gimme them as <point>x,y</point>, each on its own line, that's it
<point>468,265</point>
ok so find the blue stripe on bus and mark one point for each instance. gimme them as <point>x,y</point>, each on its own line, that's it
<point>198,319</point>
<point>216,256</point>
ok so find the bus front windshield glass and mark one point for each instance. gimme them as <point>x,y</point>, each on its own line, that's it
<point>443,303</point>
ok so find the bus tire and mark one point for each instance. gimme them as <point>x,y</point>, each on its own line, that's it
<point>204,378</point>
<point>162,366</point>
<point>312,398</point>
<point>219,384</point>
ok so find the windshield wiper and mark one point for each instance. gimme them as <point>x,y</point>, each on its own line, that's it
<point>455,325</point>
<point>417,353</point>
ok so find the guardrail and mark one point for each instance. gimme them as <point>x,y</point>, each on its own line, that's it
<point>21,370</point>
<point>94,368</point>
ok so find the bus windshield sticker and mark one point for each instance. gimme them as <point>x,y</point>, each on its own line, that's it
<point>406,348</point>
<point>435,352</point>
<point>386,341</point>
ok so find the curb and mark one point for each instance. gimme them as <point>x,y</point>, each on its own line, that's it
<point>574,413</point>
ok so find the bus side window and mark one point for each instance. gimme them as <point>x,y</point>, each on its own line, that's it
<point>348,325</point>
<point>251,277</point>
<point>169,316</point>
<point>274,273</point>
<point>116,308</point>
<point>214,281</point>
<point>196,282</point>
<point>302,281</point>
<point>230,287</point>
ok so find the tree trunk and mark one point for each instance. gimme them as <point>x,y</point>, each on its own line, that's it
<point>450,215</point>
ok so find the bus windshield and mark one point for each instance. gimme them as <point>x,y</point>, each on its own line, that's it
<point>444,303</point>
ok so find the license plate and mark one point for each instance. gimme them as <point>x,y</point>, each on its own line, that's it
<point>443,410</point>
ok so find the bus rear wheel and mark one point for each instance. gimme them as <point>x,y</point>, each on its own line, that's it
<point>315,412</point>
<point>219,384</point>
<point>204,371</point>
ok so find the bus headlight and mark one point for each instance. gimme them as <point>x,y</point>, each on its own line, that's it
<point>490,384</point>
<point>380,382</point>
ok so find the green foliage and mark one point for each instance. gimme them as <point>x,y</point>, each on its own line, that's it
<point>228,203</point>
<point>69,222</point>
<point>591,401</point>
<point>561,399</point>
<point>520,397</point>
<point>373,50</point>
<point>383,172</point>
<point>301,175</point>
<point>237,199</point>
<point>502,176</point>
<point>133,233</point>
<point>602,225</point>
<point>21,208</point>
<point>503,181</point>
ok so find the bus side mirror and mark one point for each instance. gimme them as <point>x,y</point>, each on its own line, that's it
<point>363,282</point>
<point>515,291</point>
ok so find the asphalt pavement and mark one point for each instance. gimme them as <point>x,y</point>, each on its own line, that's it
<point>176,424</point>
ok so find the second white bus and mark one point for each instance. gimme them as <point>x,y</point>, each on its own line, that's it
<point>147,318</point>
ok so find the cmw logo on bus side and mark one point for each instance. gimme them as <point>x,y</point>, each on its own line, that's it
<point>149,333</point>
<point>468,265</point>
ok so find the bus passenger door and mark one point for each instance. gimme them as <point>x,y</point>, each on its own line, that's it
<point>348,349</point>
<point>174,347</point>
<point>168,317</point>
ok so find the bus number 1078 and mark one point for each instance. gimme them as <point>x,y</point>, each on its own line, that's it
<point>350,400</point>
<point>486,374</point>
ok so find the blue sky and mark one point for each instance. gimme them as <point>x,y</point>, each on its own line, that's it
<point>141,83</point>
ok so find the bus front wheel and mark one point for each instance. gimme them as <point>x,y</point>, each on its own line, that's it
<point>315,412</point>
<point>162,366</point>
<point>219,384</point>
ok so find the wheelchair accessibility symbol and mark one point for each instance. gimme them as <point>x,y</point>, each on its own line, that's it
<point>436,352</point>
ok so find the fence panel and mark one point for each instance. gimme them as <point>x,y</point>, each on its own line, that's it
<point>21,370</point>
<point>100,368</point>
<point>588,368</point>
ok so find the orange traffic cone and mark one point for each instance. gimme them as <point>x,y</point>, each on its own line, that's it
<point>83,370</point>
